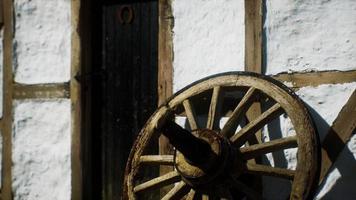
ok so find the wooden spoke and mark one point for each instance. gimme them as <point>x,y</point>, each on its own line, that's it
<point>249,192</point>
<point>240,138</point>
<point>157,159</point>
<point>177,192</point>
<point>230,126</point>
<point>158,182</point>
<point>214,110</point>
<point>268,147</point>
<point>191,195</point>
<point>189,110</point>
<point>249,89</point>
<point>269,171</point>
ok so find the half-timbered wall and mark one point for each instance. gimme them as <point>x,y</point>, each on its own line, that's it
<point>41,127</point>
<point>309,36</point>
<point>298,38</point>
<point>35,66</point>
<point>304,43</point>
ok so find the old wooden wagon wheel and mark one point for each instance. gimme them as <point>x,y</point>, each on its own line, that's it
<point>218,162</point>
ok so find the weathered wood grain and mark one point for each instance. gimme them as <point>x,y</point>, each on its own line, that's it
<point>268,147</point>
<point>241,136</point>
<point>191,195</point>
<point>236,116</point>
<point>158,182</point>
<point>190,112</point>
<point>339,133</point>
<point>41,91</point>
<point>6,190</point>
<point>302,177</point>
<point>76,103</point>
<point>177,192</point>
<point>316,78</point>
<point>270,171</point>
<point>165,67</point>
<point>253,36</point>
<point>214,109</point>
<point>157,159</point>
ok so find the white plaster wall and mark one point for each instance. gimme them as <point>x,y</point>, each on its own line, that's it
<point>301,35</point>
<point>315,36</point>
<point>208,37</point>
<point>41,150</point>
<point>309,35</point>
<point>325,102</point>
<point>41,128</point>
<point>42,41</point>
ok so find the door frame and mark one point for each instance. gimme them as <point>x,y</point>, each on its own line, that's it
<point>80,88</point>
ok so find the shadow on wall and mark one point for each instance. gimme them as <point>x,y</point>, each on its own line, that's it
<point>341,179</point>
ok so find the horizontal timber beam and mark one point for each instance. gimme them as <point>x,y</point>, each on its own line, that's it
<point>300,79</point>
<point>41,91</point>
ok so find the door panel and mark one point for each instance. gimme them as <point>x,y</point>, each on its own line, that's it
<point>124,86</point>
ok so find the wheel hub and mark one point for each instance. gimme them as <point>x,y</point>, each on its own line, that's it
<point>214,168</point>
<point>206,165</point>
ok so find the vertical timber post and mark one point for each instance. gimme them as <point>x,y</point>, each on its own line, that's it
<point>165,68</point>
<point>253,62</point>
<point>76,157</point>
<point>6,191</point>
<point>253,36</point>
<point>253,48</point>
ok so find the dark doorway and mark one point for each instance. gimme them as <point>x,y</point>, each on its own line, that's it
<point>123,91</point>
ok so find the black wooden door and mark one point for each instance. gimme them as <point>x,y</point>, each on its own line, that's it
<point>124,88</point>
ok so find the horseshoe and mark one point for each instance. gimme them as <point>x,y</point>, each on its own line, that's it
<point>130,16</point>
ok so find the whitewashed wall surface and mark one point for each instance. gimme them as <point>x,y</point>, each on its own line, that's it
<point>299,36</point>
<point>42,41</point>
<point>41,128</point>
<point>41,149</point>
<point>208,38</point>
